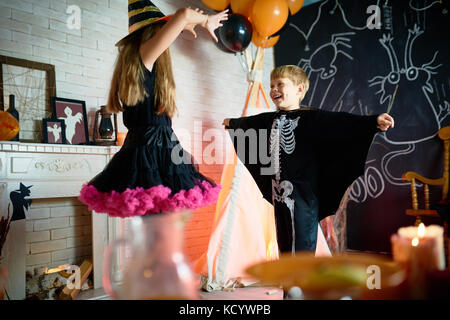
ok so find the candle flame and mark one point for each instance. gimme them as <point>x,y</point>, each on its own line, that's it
<point>415,242</point>
<point>421,231</point>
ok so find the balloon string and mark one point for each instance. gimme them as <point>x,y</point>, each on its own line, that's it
<point>242,61</point>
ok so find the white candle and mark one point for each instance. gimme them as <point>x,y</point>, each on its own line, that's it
<point>419,250</point>
<point>433,234</point>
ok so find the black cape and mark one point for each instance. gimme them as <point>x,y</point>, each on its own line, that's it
<point>330,152</point>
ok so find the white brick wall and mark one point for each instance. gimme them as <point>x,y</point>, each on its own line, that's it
<point>84,59</point>
<point>59,231</point>
<point>36,30</point>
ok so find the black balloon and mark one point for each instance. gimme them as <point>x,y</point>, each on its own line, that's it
<point>220,44</point>
<point>236,33</point>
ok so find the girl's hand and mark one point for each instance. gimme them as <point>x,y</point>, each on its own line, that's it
<point>214,22</point>
<point>385,121</point>
<point>191,26</point>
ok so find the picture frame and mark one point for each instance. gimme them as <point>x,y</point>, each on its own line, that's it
<point>49,69</point>
<point>73,112</point>
<point>33,84</point>
<point>54,131</point>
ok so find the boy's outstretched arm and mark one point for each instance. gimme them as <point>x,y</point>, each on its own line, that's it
<point>237,123</point>
<point>226,122</point>
<point>258,121</point>
<point>335,126</point>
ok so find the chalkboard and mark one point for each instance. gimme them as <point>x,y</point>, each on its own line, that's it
<point>363,65</point>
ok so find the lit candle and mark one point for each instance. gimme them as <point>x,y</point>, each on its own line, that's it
<point>432,237</point>
<point>419,250</point>
<point>121,138</point>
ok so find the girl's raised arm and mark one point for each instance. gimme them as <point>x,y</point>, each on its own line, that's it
<point>183,19</point>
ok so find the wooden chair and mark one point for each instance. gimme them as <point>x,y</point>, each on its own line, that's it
<point>444,135</point>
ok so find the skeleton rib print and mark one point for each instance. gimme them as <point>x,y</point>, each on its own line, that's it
<point>282,138</point>
<point>283,131</point>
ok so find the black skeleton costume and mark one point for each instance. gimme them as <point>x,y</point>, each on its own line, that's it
<point>314,157</point>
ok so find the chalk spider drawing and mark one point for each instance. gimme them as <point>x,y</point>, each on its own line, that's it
<point>413,106</point>
<point>411,110</point>
<point>336,6</point>
<point>444,110</point>
<point>424,8</point>
<point>323,58</point>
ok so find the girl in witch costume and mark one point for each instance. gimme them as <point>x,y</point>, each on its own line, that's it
<point>315,156</point>
<point>151,173</point>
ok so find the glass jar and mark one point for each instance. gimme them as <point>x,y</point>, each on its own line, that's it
<point>156,268</point>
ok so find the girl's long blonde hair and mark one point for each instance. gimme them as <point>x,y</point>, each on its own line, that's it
<point>127,84</point>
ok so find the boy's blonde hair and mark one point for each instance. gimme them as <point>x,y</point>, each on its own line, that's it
<point>294,73</point>
<point>127,84</point>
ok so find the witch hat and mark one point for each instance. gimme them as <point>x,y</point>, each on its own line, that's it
<point>23,189</point>
<point>142,13</point>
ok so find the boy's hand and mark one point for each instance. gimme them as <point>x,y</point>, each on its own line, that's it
<point>385,121</point>
<point>226,122</point>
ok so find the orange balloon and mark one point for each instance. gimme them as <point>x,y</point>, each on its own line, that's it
<point>217,5</point>
<point>269,16</point>
<point>260,41</point>
<point>9,126</point>
<point>295,5</point>
<point>243,7</point>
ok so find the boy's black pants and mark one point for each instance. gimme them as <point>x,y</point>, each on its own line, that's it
<point>302,227</point>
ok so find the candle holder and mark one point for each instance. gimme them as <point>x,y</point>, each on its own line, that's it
<point>105,133</point>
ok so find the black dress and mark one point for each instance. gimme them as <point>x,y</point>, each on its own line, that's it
<point>151,172</point>
<point>305,160</point>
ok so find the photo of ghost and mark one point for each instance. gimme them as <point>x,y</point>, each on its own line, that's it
<point>71,122</point>
<point>54,131</point>
<point>73,113</point>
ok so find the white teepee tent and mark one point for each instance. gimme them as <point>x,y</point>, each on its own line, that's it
<point>244,227</point>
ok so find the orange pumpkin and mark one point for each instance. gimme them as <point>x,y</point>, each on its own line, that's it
<point>9,126</point>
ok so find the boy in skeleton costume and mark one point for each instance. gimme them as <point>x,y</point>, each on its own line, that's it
<point>314,156</point>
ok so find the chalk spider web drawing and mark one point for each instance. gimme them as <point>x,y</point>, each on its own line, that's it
<point>29,86</point>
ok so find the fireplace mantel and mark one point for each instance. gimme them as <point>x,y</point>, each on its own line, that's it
<point>53,171</point>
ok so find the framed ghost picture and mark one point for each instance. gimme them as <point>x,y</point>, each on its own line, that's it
<point>73,112</point>
<point>54,131</point>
